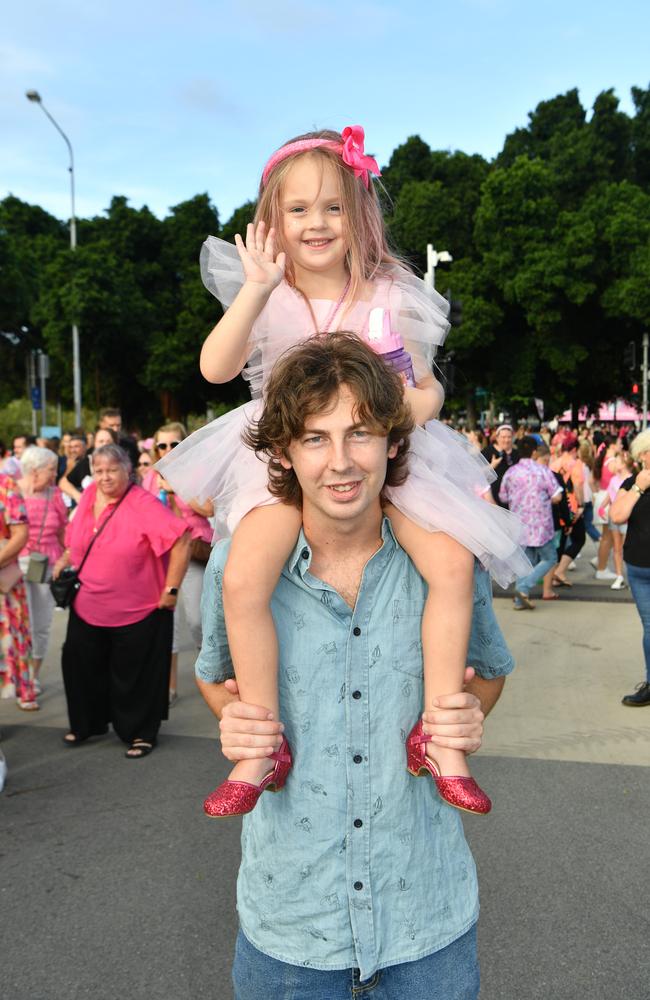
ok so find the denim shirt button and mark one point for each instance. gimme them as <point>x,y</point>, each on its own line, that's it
<point>357,758</point>
<point>305,553</point>
<point>356,630</point>
<point>358,823</point>
<point>356,694</point>
<point>358,886</point>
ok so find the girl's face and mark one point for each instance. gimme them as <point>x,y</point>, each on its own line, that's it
<point>144,463</point>
<point>312,217</point>
<point>166,441</point>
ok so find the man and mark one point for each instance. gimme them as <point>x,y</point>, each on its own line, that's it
<point>571,469</point>
<point>111,418</point>
<point>355,874</point>
<point>501,455</point>
<point>529,489</point>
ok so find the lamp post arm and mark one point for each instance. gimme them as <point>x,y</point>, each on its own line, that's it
<point>73,219</point>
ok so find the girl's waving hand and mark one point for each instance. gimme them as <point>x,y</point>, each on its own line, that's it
<point>258,257</point>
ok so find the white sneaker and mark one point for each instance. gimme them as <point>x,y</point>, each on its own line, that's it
<point>8,690</point>
<point>619,584</point>
<point>605,574</point>
<point>3,770</point>
<point>572,565</point>
<point>594,562</point>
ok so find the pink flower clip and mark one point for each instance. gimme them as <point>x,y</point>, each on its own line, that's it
<point>353,154</point>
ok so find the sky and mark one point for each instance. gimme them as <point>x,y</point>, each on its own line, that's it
<point>162,101</point>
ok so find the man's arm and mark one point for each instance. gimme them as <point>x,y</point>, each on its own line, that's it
<point>487,690</point>
<point>457,720</point>
<point>216,696</point>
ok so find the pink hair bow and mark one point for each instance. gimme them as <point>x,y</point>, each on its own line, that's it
<point>354,156</point>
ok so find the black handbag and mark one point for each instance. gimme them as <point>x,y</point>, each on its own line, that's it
<point>66,586</point>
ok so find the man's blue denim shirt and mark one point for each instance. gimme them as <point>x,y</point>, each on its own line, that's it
<point>355,863</point>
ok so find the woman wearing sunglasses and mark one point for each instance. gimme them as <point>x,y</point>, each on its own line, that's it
<point>196,517</point>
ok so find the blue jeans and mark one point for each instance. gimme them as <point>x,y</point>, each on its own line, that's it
<point>449,974</point>
<point>590,528</point>
<point>638,578</point>
<point>543,557</point>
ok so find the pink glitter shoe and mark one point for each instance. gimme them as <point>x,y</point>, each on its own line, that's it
<point>463,793</point>
<point>234,798</point>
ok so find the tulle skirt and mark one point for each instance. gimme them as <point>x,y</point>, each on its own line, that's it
<point>443,492</point>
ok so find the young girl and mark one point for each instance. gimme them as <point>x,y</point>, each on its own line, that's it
<point>622,467</point>
<point>316,260</point>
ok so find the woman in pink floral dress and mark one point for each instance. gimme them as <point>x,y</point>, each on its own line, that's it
<point>14,616</point>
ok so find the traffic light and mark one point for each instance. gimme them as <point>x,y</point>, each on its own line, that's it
<point>447,373</point>
<point>635,389</point>
<point>629,356</point>
<point>455,309</point>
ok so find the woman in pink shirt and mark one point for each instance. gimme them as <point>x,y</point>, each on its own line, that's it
<point>48,517</point>
<point>118,644</point>
<point>196,517</point>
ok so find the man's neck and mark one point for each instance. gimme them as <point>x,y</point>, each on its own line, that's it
<point>328,537</point>
<point>340,550</point>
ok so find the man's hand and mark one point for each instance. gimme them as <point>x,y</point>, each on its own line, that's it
<point>247,731</point>
<point>457,720</point>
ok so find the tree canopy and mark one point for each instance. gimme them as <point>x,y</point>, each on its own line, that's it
<point>551,259</point>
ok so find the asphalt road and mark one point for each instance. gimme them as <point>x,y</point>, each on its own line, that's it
<point>113,884</point>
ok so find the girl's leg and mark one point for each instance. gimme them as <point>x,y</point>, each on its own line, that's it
<point>604,548</point>
<point>261,545</point>
<point>617,539</point>
<point>448,569</point>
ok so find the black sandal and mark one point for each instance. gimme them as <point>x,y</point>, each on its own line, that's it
<point>139,749</point>
<point>72,740</point>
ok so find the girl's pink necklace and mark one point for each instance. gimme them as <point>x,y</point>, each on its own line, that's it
<point>334,310</point>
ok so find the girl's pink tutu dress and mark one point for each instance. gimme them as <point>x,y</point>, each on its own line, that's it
<point>447,477</point>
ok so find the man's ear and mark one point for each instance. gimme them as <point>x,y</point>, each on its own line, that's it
<point>283,459</point>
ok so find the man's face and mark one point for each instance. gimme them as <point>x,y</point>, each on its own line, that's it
<point>20,443</point>
<point>113,423</point>
<point>76,449</point>
<point>340,464</point>
<point>504,440</point>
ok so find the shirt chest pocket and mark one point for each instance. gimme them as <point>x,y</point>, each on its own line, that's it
<point>407,637</point>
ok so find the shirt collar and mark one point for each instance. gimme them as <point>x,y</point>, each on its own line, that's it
<point>300,558</point>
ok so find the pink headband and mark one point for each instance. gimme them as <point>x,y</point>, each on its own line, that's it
<point>350,151</point>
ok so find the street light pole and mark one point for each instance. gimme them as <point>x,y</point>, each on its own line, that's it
<point>33,95</point>
<point>435,257</point>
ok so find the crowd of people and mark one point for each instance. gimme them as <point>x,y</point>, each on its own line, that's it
<point>56,499</point>
<point>570,483</point>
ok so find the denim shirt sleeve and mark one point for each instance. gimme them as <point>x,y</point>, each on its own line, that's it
<point>214,664</point>
<point>488,651</point>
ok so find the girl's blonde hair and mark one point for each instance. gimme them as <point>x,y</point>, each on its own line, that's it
<point>363,223</point>
<point>176,427</point>
<point>586,454</point>
<point>640,444</point>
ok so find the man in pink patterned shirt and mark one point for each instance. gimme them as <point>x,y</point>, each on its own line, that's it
<point>530,489</point>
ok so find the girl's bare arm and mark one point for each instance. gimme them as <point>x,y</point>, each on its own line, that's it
<point>225,350</point>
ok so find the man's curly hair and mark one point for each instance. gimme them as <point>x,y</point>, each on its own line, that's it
<point>305,381</point>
